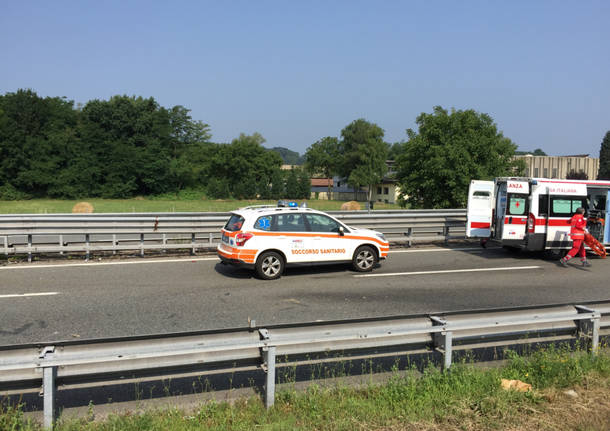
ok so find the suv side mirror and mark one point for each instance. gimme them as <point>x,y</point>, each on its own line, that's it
<point>341,231</point>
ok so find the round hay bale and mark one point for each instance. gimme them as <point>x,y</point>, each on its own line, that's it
<point>350,206</point>
<point>83,207</point>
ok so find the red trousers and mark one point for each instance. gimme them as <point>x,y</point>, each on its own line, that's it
<point>578,247</point>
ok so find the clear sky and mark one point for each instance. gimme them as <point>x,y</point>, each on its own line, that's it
<point>296,71</point>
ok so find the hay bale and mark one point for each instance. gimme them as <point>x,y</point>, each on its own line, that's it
<point>350,206</point>
<point>82,207</point>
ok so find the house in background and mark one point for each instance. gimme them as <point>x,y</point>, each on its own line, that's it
<point>559,166</point>
<point>386,191</point>
<point>319,188</point>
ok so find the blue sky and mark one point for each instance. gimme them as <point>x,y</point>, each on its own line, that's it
<point>298,71</point>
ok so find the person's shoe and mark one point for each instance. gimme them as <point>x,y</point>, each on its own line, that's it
<point>563,262</point>
<point>586,263</point>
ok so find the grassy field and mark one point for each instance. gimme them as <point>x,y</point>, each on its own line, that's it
<point>51,206</point>
<point>570,392</point>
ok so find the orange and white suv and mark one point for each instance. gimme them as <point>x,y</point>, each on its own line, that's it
<point>267,239</point>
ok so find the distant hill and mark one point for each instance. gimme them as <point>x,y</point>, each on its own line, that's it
<point>290,157</point>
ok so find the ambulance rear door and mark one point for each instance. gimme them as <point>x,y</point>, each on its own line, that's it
<point>564,199</point>
<point>480,205</point>
<point>514,219</point>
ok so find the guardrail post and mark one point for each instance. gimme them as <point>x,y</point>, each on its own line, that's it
<point>87,250</point>
<point>268,366</point>
<point>49,391</point>
<point>49,387</point>
<point>409,234</point>
<point>443,341</point>
<point>29,248</point>
<point>211,236</point>
<point>164,240</point>
<point>269,355</point>
<point>193,243</point>
<point>114,243</point>
<point>589,328</point>
<point>61,243</point>
<point>446,233</point>
<point>141,245</point>
<point>6,245</point>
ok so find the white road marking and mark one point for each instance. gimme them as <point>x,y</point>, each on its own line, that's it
<point>449,271</point>
<point>22,295</point>
<point>131,262</point>
<point>198,259</point>
<point>428,250</point>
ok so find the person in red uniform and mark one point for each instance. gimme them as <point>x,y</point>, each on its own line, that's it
<point>577,232</point>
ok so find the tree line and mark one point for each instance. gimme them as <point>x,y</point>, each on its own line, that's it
<point>131,146</point>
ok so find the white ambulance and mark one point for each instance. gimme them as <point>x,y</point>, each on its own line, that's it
<point>267,239</point>
<point>534,213</point>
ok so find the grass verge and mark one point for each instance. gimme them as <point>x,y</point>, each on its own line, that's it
<point>52,206</point>
<point>570,391</point>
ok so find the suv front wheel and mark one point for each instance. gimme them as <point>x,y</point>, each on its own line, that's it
<point>269,265</point>
<point>364,259</point>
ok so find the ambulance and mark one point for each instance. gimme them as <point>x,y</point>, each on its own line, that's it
<point>267,239</point>
<point>534,213</point>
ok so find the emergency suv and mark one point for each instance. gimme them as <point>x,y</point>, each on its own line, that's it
<point>267,239</point>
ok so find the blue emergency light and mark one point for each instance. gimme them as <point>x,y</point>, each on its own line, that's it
<point>293,205</point>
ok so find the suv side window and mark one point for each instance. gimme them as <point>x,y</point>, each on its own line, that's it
<point>288,223</point>
<point>321,223</point>
<point>263,223</point>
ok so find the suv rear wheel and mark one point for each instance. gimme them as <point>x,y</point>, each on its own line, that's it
<point>269,265</point>
<point>364,259</point>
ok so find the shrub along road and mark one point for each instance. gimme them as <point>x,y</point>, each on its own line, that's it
<point>70,299</point>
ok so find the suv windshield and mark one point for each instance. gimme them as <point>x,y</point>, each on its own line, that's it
<point>234,223</point>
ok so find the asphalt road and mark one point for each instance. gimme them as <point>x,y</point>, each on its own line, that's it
<point>67,300</point>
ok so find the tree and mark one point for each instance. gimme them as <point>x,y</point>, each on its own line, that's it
<point>364,154</point>
<point>292,185</point>
<point>449,151</point>
<point>536,152</point>
<point>604,158</point>
<point>322,158</point>
<point>304,186</point>
<point>244,160</point>
<point>277,184</point>
<point>577,175</point>
<point>395,150</point>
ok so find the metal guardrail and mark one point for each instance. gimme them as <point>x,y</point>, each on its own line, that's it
<point>63,233</point>
<point>102,361</point>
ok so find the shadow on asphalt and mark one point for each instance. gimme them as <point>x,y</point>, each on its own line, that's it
<point>311,270</point>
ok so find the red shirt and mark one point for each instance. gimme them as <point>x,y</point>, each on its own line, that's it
<point>578,224</point>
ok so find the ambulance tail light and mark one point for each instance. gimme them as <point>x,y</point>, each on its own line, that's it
<point>242,237</point>
<point>531,223</point>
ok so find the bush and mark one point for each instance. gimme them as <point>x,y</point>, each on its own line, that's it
<point>10,193</point>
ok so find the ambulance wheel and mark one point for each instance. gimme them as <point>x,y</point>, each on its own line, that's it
<point>364,259</point>
<point>269,265</point>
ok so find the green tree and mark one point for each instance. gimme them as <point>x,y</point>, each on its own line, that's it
<point>292,185</point>
<point>304,184</point>
<point>604,158</point>
<point>451,149</point>
<point>37,139</point>
<point>364,154</point>
<point>577,175</point>
<point>277,184</point>
<point>322,158</point>
<point>536,152</point>
<point>244,160</point>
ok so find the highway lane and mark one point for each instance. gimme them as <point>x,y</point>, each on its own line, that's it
<point>41,303</point>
